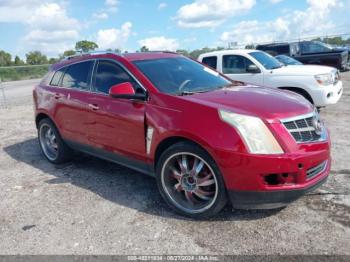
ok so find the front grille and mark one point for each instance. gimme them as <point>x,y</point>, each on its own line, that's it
<point>303,128</point>
<point>314,171</point>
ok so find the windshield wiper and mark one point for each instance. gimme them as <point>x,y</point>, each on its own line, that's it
<point>186,93</point>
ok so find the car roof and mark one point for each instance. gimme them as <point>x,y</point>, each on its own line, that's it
<point>229,52</point>
<point>130,57</point>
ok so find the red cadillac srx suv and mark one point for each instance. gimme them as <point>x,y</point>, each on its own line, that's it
<point>204,138</point>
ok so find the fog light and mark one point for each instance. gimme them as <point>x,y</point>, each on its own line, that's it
<point>280,179</point>
<point>330,95</point>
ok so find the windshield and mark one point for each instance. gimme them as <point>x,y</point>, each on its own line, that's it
<point>287,60</point>
<point>266,60</point>
<point>326,46</point>
<point>180,75</point>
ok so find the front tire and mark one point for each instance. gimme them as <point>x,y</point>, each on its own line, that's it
<point>51,143</point>
<point>190,181</point>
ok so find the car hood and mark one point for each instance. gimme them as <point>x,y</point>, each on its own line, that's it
<point>300,70</point>
<point>269,104</point>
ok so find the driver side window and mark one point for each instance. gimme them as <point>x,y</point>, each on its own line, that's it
<point>109,74</point>
<point>235,64</point>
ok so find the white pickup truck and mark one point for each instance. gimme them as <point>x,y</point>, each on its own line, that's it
<point>321,85</point>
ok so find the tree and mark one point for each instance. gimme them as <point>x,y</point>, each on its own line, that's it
<point>144,49</point>
<point>36,58</point>
<point>85,46</point>
<point>68,53</point>
<point>250,46</point>
<point>18,61</point>
<point>5,58</point>
<point>183,52</point>
<point>53,60</point>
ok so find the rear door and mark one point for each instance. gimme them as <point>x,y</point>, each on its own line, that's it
<point>116,125</point>
<point>72,108</point>
<point>235,67</point>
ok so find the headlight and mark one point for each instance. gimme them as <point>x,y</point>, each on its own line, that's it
<point>324,79</point>
<point>253,131</point>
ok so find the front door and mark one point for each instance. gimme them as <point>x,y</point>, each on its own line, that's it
<point>235,67</point>
<point>116,125</point>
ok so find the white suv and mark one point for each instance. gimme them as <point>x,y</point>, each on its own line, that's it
<point>321,85</point>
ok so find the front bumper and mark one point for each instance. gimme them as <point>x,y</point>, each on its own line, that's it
<point>245,175</point>
<point>327,95</point>
<point>269,199</point>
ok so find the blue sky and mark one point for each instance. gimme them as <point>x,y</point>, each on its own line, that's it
<point>54,26</point>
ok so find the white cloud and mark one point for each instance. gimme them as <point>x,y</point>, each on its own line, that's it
<point>210,13</point>
<point>51,16</point>
<point>113,37</point>
<point>100,15</point>
<point>17,10</point>
<point>110,7</point>
<point>160,43</point>
<point>111,2</point>
<point>162,6</point>
<point>275,1</point>
<point>315,20</point>
<point>51,30</point>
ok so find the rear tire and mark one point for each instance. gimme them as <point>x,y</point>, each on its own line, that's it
<point>190,181</point>
<point>51,143</point>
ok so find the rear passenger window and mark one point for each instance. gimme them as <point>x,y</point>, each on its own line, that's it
<point>78,76</point>
<point>109,74</point>
<point>55,81</point>
<point>211,61</point>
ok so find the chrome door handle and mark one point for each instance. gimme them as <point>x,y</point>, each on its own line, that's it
<point>94,106</point>
<point>58,96</point>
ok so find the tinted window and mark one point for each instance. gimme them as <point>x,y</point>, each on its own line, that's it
<point>109,74</point>
<point>266,60</point>
<point>78,76</point>
<point>286,60</point>
<point>275,49</point>
<point>211,61</point>
<point>314,47</point>
<point>180,74</point>
<point>235,64</point>
<point>55,81</point>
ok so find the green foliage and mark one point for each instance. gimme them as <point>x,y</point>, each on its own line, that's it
<point>338,40</point>
<point>68,53</point>
<point>251,46</point>
<point>85,46</point>
<point>36,58</point>
<point>5,58</point>
<point>18,61</point>
<point>23,72</point>
<point>144,49</point>
<point>196,53</point>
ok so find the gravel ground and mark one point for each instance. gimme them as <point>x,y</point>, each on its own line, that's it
<point>90,206</point>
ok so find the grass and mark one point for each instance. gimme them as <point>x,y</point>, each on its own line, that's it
<point>13,73</point>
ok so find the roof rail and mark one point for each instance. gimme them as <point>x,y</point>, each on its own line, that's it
<point>80,53</point>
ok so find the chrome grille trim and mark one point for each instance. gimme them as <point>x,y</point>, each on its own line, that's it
<point>314,171</point>
<point>302,128</point>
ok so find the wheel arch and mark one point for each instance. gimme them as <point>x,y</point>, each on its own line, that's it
<point>169,141</point>
<point>40,116</point>
<point>299,91</point>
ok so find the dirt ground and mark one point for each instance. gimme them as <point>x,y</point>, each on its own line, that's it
<point>90,206</point>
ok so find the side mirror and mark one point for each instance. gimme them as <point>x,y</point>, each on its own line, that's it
<point>253,69</point>
<point>126,91</point>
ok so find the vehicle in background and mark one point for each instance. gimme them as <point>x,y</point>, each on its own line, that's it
<point>318,84</point>
<point>205,139</point>
<point>310,52</point>
<point>287,60</point>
